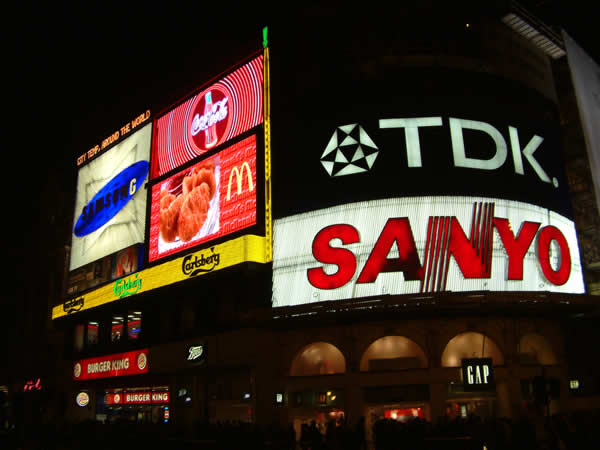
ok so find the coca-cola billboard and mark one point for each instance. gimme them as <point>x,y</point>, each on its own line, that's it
<point>218,113</point>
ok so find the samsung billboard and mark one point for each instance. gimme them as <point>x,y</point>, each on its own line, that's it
<point>110,203</point>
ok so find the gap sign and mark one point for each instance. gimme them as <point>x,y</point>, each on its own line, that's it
<point>478,374</point>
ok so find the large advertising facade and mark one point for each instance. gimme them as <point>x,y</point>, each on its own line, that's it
<point>209,188</point>
<point>420,181</point>
<point>110,204</point>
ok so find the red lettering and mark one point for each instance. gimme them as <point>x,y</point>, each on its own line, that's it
<point>545,238</point>
<point>474,255</point>
<point>515,248</point>
<point>397,231</point>
<point>341,257</point>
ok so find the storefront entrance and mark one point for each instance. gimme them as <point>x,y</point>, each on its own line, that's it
<point>149,405</point>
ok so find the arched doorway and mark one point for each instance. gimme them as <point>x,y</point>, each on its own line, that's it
<point>322,400</point>
<point>461,401</point>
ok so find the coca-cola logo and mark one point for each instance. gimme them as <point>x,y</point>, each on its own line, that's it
<point>208,119</point>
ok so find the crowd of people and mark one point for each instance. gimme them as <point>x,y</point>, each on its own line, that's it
<point>560,432</point>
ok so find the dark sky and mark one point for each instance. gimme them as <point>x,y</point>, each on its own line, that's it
<point>80,73</point>
<point>76,75</point>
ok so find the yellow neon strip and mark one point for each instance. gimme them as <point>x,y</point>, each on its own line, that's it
<point>249,248</point>
<point>267,127</point>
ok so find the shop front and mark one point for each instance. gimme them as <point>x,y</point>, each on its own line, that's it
<point>136,405</point>
<point>398,403</point>
<point>318,406</point>
<point>476,394</point>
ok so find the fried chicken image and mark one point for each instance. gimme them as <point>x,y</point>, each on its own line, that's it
<point>183,215</point>
<point>169,213</point>
<point>193,212</point>
<point>199,176</point>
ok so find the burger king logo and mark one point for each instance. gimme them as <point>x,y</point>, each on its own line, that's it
<point>77,370</point>
<point>117,398</point>
<point>142,360</point>
<point>82,399</point>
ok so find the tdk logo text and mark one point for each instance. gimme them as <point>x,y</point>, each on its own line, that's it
<point>413,127</point>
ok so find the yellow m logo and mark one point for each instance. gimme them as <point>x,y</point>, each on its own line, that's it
<point>239,176</point>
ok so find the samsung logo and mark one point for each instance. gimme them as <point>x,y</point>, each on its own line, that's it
<point>111,198</point>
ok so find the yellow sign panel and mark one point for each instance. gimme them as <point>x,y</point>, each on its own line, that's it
<point>249,248</point>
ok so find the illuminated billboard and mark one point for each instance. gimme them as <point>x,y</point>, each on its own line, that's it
<point>210,199</point>
<point>416,180</point>
<point>204,261</point>
<point>116,365</point>
<point>423,244</point>
<point>110,204</point>
<point>218,113</point>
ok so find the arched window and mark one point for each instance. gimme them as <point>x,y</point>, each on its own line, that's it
<point>318,358</point>
<point>393,353</point>
<point>535,349</point>
<point>470,345</point>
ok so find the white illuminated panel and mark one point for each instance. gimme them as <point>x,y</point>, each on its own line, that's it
<point>293,248</point>
<point>100,186</point>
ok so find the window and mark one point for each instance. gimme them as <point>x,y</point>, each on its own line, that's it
<point>117,328</point>
<point>134,324</point>
<point>92,333</point>
<point>78,334</point>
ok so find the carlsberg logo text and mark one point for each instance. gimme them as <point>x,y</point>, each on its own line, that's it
<point>126,287</point>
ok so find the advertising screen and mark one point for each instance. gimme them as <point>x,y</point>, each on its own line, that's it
<point>213,198</point>
<point>110,204</point>
<point>423,244</point>
<point>218,113</point>
<point>405,180</point>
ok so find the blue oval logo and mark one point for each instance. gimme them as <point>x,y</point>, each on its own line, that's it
<point>111,198</point>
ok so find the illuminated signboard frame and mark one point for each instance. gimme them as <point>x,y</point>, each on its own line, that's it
<point>237,250</point>
<point>115,365</point>
<point>110,191</point>
<point>478,374</point>
<point>423,244</point>
<point>229,203</point>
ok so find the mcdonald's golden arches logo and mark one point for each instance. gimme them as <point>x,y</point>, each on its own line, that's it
<point>239,176</point>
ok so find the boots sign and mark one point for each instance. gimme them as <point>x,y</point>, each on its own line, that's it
<point>423,244</point>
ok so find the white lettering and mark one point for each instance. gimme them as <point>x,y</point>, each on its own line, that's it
<point>531,147</point>
<point>470,374</point>
<point>132,186</point>
<point>411,134</point>
<point>458,145</point>
<point>477,375</point>
<point>217,113</point>
<point>486,373</point>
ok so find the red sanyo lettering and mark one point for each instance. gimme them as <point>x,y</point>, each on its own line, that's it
<point>516,247</point>
<point>561,275</point>
<point>396,231</point>
<point>471,255</point>
<point>343,258</point>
